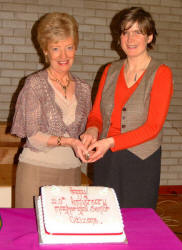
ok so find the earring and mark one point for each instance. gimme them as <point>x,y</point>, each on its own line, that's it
<point>46,58</point>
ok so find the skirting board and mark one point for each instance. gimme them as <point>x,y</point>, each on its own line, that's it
<point>172,189</point>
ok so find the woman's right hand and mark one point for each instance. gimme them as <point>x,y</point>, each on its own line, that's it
<point>90,136</point>
<point>79,148</point>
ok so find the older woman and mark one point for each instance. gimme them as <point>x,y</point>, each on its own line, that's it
<point>51,112</point>
<point>124,126</point>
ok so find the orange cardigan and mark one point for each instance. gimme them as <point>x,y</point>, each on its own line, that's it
<point>159,103</point>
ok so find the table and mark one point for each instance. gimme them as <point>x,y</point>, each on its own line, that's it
<point>144,229</point>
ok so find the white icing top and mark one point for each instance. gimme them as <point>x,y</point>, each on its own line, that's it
<point>81,210</point>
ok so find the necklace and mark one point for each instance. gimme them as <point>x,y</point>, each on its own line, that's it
<point>64,87</point>
<point>135,78</point>
<point>143,69</point>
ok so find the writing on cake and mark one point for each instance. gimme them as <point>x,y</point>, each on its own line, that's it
<point>79,207</point>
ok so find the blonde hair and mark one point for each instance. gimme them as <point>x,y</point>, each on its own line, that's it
<point>55,26</point>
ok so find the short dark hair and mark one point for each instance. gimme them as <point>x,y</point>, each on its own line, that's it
<point>143,18</point>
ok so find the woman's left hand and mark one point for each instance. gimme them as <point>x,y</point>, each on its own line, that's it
<point>99,148</point>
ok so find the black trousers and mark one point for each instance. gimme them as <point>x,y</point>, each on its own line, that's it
<point>135,181</point>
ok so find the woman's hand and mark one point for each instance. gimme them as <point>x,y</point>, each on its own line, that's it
<point>100,147</point>
<point>90,136</point>
<point>79,148</point>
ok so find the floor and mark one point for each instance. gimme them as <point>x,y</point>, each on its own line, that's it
<point>169,208</point>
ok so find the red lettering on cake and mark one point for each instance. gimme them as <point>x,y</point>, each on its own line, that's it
<point>101,209</point>
<point>79,208</point>
<point>81,220</point>
<point>53,201</point>
<point>77,191</point>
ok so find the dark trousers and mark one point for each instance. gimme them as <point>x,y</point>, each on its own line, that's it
<point>135,181</point>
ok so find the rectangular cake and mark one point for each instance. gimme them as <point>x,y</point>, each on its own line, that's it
<point>79,214</point>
